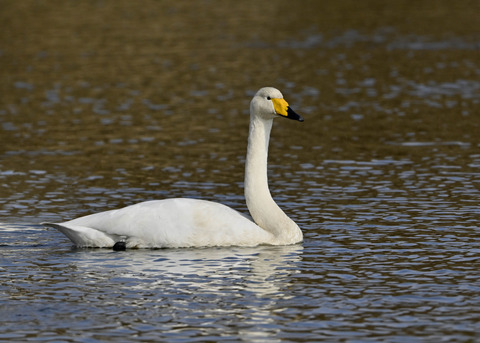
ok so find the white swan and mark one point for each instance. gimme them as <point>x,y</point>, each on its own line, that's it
<point>175,223</point>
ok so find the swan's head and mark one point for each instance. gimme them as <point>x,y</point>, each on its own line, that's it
<point>268,103</point>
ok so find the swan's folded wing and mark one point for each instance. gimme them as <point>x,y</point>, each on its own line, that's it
<point>169,223</point>
<point>83,236</point>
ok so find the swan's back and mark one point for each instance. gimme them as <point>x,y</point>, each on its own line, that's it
<point>169,223</point>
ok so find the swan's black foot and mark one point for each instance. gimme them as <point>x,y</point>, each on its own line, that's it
<point>119,246</point>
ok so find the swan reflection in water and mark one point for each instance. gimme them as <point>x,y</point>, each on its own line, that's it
<point>262,269</point>
<point>234,288</point>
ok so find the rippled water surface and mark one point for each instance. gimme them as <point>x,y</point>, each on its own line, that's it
<point>107,103</point>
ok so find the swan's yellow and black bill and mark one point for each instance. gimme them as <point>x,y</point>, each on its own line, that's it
<point>282,109</point>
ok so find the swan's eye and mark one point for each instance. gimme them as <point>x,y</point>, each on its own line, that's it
<point>268,98</point>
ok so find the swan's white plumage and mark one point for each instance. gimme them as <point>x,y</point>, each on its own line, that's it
<point>182,222</point>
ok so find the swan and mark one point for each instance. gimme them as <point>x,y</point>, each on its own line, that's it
<point>184,222</point>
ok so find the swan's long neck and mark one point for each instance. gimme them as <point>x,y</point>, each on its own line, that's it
<point>265,212</point>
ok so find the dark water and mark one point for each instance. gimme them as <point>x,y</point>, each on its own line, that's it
<point>104,104</point>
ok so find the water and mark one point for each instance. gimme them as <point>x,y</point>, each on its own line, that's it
<point>107,104</point>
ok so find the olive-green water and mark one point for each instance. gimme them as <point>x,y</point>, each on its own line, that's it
<point>107,103</point>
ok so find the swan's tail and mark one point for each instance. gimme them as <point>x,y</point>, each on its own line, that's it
<point>84,237</point>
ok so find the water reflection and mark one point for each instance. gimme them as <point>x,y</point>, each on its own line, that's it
<point>216,280</point>
<point>261,267</point>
